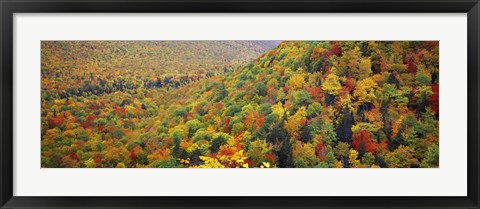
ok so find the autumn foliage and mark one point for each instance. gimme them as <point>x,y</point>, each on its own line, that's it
<point>240,104</point>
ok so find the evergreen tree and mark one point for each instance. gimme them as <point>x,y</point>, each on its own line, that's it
<point>344,127</point>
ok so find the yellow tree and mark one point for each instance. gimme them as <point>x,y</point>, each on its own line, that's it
<point>365,91</point>
<point>352,159</point>
<point>331,84</point>
<point>304,155</point>
<point>296,81</point>
<point>402,157</point>
<point>293,123</point>
<point>278,110</point>
<point>364,69</point>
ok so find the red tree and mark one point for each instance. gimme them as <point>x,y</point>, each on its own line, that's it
<point>56,121</point>
<point>320,150</point>
<point>335,49</point>
<point>133,155</point>
<point>259,122</point>
<point>434,100</point>
<point>226,126</point>
<point>364,136</point>
<point>74,156</point>
<point>316,93</point>
<point>411,67</point>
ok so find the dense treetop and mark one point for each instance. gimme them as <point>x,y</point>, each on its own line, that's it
<point>204,104</point>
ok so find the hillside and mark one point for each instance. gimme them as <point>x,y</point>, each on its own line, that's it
<point>300,104</point>
<point>96,67</point>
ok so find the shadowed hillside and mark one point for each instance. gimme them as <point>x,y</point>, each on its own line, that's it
<point>77,68</point>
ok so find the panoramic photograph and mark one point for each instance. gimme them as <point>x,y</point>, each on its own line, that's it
<point>240,104</point>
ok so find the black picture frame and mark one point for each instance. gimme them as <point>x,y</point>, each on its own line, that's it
<point>9,7</point>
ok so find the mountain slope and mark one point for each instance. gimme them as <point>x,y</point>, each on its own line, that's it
<point>300,104</point>
<point>71,67</point>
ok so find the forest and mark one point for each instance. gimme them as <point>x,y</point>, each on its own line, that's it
<point>240,104</point>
